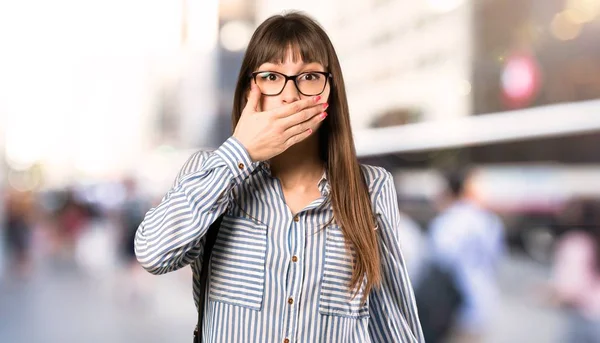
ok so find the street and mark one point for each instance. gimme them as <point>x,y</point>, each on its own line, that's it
<point>60,304</point>
<point>65,306</point>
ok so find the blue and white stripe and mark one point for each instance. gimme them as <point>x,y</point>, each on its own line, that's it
<point>256,292</point>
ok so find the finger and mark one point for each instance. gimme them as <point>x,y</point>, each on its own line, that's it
<point>302,116</point>
<point>309,124</point>
<point>295,107</point>
<point>298,138</point>
<point>253,98</point>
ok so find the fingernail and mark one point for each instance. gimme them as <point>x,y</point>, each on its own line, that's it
<point>317,98</point>
<point>323,115</point>
<point>309,131</point>
<point>325,105</point>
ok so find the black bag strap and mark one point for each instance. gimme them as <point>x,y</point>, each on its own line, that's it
<point>211,237</point>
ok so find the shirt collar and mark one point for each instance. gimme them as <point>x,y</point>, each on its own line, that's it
<point>323,184</point>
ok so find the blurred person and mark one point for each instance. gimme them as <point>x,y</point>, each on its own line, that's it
<point>132,214</point>
<point>72,218</point>
<point>576,273</point>
<point>307,248</point>
<point>95,248</point>
<point>413,244</point>
<point>2,231</point>
<point>458,291</point>
<point>18,232</point>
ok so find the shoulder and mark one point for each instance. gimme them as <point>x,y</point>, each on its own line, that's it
<point>382,189</point>
<point>376,178</point>
<point>384,199</point>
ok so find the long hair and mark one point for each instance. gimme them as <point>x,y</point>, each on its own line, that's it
<point>349,194</point>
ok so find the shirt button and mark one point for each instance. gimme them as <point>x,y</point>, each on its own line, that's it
<point>290,301</point>
<point>294,259</point>
<point>296,219</point>
<point>286,341</point>
<point>241,166</point>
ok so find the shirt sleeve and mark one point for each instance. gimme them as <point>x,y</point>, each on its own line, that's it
<point>169,237</point>
<point>394,316</point>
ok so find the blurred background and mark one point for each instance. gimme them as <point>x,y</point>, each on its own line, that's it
<point>101,102</point>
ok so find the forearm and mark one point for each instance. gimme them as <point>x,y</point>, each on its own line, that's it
<point>170,235</point>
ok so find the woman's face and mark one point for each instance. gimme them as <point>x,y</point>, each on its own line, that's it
<point>290,93</point>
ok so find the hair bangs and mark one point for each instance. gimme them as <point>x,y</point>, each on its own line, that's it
<point>292,37</point>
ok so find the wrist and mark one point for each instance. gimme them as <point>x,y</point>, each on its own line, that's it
<point>247,147</point>
<point>236,157</point>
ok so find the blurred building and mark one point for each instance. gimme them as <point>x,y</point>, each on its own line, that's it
<point>104,97</point>
<point>405,56</point>
<point>188,109</point>
<point>531,124</point>
<point>237,21</point>
<point>536,53</point>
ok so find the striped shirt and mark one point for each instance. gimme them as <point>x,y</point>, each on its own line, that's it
<point>275,276</point>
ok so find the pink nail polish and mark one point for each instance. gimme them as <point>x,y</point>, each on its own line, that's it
<point>310,131</point>
<point>317,98</point>
<point>325,105</point>
<point>323,115</point>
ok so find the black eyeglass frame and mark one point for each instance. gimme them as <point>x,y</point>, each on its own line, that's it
<point>294,78</point>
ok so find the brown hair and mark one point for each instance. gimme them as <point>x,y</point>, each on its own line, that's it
<point>349,194</point>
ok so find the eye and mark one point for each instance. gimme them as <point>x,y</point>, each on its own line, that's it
<point>269,76</point>
<point>310,77</point>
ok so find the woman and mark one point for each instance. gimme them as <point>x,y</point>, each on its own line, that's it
<point>308,247</point>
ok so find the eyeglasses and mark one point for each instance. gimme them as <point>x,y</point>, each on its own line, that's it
<point>272,83</point>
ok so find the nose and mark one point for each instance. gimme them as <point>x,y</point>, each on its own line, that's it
<point>290,92</point>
